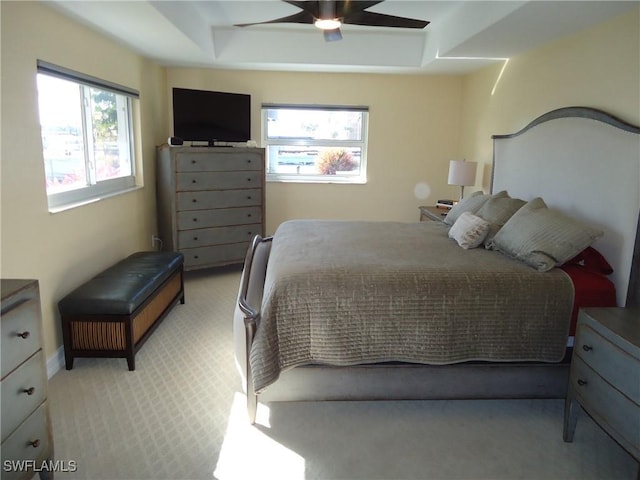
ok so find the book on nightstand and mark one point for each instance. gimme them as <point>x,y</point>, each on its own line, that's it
<point>445,203</point>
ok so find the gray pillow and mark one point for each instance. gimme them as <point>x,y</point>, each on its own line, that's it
<point>496,211</point>
<point>470,204</point>
<point>543,238</point>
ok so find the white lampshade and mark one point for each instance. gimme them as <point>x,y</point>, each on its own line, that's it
<point>462,173</point>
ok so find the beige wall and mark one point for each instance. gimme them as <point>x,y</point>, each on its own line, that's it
<point>599,67</point>
<point>414,128</point>
<point>61,250</point>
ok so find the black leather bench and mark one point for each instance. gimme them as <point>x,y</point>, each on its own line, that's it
<point>115,312</point>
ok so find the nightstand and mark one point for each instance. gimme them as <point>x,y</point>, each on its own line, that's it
<point>433,214</point>
<point>605,375</point>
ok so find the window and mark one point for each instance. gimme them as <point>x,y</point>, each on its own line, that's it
<point>87,136</point>
<point>315,143</point>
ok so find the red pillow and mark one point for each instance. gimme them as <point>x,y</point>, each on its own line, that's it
<point>592,260</point>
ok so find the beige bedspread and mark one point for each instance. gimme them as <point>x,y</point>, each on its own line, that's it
<point>346,293</point>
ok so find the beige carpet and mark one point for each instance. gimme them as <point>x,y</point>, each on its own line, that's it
<point>181,415</point>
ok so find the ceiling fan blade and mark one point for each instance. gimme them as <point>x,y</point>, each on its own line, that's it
<point>345,8</point>
<point>313,8</point>
<point>332,35</point>
<point>373,19</point>
<point>300,17</point>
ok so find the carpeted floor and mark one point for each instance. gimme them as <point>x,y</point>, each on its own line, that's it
<point>181,415</point>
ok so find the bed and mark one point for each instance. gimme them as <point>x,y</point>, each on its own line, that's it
<point>334,310</point>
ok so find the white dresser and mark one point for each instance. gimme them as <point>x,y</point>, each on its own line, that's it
<point>210,202</point>
<point>27,442</point>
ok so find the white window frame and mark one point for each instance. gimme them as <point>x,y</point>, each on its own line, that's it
<point>125,98</point>
<point>267,142</point>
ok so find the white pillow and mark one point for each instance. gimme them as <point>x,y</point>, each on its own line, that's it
<point>469,230</point>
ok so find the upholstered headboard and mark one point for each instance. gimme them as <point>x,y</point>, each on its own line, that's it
<point>586,163</point>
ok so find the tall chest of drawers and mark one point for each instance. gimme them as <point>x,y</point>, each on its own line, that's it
<point>605,374</point>
<point>27,441</point>
<point>210,202</point>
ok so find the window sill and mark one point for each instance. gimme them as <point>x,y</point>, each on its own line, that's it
<point>87,201</point>
<point>301,179</point>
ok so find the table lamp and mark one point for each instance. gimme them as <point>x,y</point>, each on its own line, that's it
<point>462,173</point>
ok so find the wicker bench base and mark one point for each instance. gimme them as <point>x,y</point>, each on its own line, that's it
<point>120,336</point>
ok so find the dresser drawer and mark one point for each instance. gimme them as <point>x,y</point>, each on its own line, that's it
<point>22,392</point>
<point>615,412</point>
<point>216,254</point>
<point>29,442</point>
<point>220,217</point>
<point>208,161</point>
<point>20,334</point>
<point>218,199</point>
<point>619,368</point>
<point>192,181</point>
<point>217,235</point>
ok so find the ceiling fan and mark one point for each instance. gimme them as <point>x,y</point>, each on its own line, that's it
<point>329,15</point>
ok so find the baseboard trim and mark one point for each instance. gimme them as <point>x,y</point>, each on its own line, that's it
<point>55,362</point>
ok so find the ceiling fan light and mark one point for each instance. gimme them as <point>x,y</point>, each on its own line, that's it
<point>327,23</point>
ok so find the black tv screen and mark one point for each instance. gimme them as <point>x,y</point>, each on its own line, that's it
<point>202,115</point>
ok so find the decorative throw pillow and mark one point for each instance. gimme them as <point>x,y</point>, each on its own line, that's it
<point>469,230</point>
<point>543,238</point>
<point>470,204</point>
<point>496,211</point>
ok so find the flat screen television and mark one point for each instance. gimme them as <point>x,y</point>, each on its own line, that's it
<point>202,115</point>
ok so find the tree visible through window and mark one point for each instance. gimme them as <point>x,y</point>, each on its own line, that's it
<point>87,139</point>
<point>315,143</point>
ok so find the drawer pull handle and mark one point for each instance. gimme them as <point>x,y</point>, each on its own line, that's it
<point>35,443</point>
<point>581,382</point>
<point>248,197</point>
<point>24,335</point>
<point>248,161</point>
<point>248,179</point>
<point>195,238</point>
<point>248,214</point>
<point>194,200</point>
<point>193,181</point>
<point>29,391</point>
<point>195,219</point>
<point>193,162</point>
<point>196,257</point>
<point>586,348</point>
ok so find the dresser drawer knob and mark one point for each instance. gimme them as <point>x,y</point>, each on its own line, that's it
<point>196,257</point>
<point>248,214</point>
<point>194,200</point>
<point>195,219</point>
<point>586,348</point>
<point>193,181</point>
<point>24,335</point>
<point>248,197</point>
<point>195,238</point>
<point>193,162</point>
<point>248,161</point>
<point>248,179</point>
<point>35,443</point>
<point>29,391</point>
<point>581,382</point>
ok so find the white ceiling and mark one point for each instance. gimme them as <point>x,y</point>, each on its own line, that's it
<point>462,35</point>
